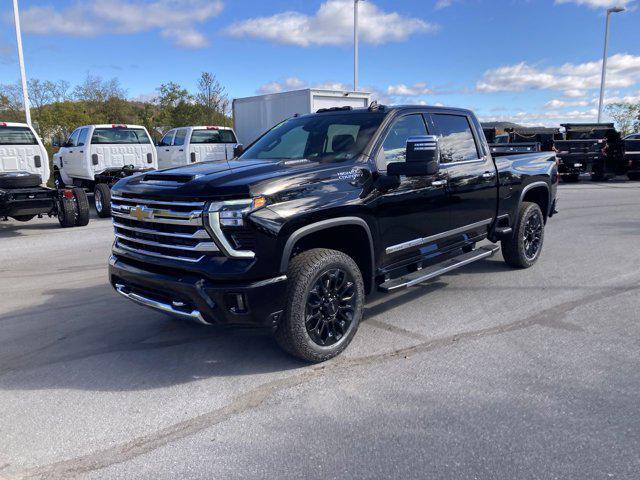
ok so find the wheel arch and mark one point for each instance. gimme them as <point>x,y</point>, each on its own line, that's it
<point>339,234</point>
<point>537,192</point>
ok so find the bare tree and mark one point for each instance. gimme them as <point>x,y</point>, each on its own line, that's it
<point>212,97</point>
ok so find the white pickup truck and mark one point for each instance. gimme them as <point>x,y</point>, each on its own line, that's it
<point>186,145</point>
<point>95,157</point>
<point>24,172</point>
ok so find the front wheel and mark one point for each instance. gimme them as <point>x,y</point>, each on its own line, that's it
<point>524,247</point>
<point>325,298</point>
<point>102,198</point>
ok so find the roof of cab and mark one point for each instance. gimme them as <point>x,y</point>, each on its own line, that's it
<point>209,127</point>
<point>385,109</point>
<point>113,125</point>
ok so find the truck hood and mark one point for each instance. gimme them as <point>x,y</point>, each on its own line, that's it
<point>236,178</point>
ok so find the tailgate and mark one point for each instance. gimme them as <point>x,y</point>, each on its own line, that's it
<point>118,156</point>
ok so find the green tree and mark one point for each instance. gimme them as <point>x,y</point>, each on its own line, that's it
<point>626,116</point>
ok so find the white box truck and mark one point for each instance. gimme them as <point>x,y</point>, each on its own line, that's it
<point>252,116</point>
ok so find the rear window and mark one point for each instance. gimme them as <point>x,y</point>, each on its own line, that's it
<point>213,136</point>
<point>119,136</point>
<point>17,136</point>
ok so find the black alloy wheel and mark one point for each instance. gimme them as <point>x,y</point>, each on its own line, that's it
<point>330,308</point>
<point>533,230</point>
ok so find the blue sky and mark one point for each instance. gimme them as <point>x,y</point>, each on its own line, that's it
<point>532,61</point>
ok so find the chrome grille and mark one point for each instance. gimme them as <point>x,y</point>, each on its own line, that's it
<point>161,228</point>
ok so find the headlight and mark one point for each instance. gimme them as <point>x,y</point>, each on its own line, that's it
<point>231,213</point>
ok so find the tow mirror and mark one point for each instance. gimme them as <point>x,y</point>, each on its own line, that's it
<point>238,150</point>
<point>422,158</point>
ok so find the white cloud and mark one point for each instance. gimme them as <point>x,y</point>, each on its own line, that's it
<point>597,3</point>
<point>332,24</point>
<point>415,90</point>
<point>443,4</point>
<point>623,70</point>
<point>291,83</point>
<point>175,20</point>
<point>555,103</point>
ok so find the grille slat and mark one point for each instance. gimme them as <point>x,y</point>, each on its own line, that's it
<point>161,228</point>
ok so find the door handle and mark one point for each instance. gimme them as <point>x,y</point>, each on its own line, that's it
<point>81,151</point>
<point>166,150</point>
<point>488,175</point>
<point>439,183</point>
<point>181,150</point>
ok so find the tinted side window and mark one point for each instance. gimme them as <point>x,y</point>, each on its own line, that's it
<point>456,139</point>
<point>82,138</point>
<point>394,148</point>
<point>167,139</point>
<point>181,134</point>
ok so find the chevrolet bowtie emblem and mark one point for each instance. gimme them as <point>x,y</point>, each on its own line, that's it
<point>141,213</point>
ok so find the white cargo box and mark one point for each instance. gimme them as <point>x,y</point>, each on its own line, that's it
<point>252,116</point>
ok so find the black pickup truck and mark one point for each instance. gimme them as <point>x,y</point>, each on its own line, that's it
<point>319,212</point>
<point>632,155</point>
<point>589,148</point>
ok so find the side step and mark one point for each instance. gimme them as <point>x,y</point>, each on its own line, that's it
<point>433,271</point>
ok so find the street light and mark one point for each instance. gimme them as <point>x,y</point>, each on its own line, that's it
<point>23,76</point>
<point>355,44</point>
<point>604,58</point>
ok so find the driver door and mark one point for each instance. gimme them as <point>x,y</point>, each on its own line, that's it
<point>412,214</point>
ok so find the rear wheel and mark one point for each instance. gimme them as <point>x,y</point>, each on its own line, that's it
<point>82,207</point>
<point>571,178</point>
<point>524,247</point>
<point>102,198</point>
<point>66,212</point>
<point>325,297</point>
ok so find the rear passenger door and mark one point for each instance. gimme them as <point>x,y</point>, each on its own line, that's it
<point>178,155</point>
<point>471,173</point>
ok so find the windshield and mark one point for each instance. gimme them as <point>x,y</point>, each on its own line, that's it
<point>17,136</point>
<point>321,138</point>
<point>119,136</point>
<point>213,136</point>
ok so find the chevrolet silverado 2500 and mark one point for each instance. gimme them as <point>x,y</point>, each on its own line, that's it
<point>322,210</point>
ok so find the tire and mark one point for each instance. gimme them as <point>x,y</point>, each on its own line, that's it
<point>518,251</point>
<point>19,180</point>
<point>575,178</point>
<point>82,207</point>
<point>57,180</point>
<point>102,198</point>
<point>23,218</point>
<point>316,280</point>
<point>66,212</point>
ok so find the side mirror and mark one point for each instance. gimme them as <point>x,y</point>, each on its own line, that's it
<point>67,144</point>
<point>238,150</point>
<point>422,158</point>
<point>55,143</point>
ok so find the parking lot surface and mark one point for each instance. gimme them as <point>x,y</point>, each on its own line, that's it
<point>486,372</point>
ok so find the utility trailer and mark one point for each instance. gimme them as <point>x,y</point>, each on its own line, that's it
<point>589,148</point>
<point>253,116</point>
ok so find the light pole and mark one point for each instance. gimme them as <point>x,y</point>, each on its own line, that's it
<point>355,44</point>
<point>23,76</point>
<point>604,58</point>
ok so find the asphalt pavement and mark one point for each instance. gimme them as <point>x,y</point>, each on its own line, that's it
<point>485,373</point>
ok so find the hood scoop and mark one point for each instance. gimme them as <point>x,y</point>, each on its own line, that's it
<point>167,178</point>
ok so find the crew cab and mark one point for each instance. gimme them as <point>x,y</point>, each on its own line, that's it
<point>186,145</point>
<point>96,156</point>
<point>632,155</point>
<point>593,149</point>
<point>320,211</point>
<point>24,172</point>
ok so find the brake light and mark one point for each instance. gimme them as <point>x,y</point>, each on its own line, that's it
<point>68,194</point>
<point>118,126</point>
<point>3,124</point>
<point>213,128</point>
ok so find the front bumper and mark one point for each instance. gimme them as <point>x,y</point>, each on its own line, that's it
<point>257,304</point>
